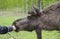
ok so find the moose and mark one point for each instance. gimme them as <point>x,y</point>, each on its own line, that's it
<point>38,20</point>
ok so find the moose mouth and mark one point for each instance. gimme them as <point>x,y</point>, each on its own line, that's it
<point>17,29</point>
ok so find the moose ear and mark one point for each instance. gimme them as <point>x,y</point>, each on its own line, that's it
<point>36,9</point>
<point>31,12</point>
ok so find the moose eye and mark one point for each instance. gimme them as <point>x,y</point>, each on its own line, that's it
<point>32,17</point>
<point>29,17</point>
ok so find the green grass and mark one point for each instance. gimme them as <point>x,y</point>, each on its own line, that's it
<point>7,20</point>
<point>9,4</point>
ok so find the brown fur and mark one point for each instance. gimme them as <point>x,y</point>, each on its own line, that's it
<point>47,19</point>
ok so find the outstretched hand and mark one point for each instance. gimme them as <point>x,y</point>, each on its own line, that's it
<point>5,29</point>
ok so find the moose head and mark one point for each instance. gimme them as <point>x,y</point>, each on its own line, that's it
<point>30,22</point>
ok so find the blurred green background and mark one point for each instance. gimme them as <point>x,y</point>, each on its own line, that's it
<point>11,10</point>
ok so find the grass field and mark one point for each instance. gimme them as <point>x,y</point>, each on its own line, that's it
<point>7,21</point>
<point>10,4</point>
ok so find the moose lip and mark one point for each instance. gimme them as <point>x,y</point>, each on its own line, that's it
<point>14,28</point>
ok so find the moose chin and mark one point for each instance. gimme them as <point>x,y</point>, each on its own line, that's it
<point>47,19</point>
